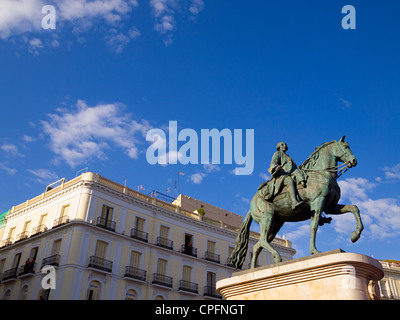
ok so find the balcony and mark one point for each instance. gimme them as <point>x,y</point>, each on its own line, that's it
<point>52,261</point>
<point>9,274</point>
<point>210,291</point>
<point>189,250</point>
<point>100,264</point>
<point>165,243</point>
<point>162,280</point>
<point>139,235</point>
<point>26,269</point>
<point>211,256</point>
<point>105,224</point>
<point>38,230</point>
<point>188,286</point>
<point>135,273</point>
<point>60,221</point>
<point>22,236</point>
<point>7,242</point>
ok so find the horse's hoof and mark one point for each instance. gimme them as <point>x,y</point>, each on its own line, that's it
<point>354,236</point>
<point>315,251</point>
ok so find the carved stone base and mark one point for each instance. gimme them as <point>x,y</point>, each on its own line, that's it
<point>332,275</point>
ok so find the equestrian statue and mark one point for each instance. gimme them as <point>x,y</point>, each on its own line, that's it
<point>297,194</point>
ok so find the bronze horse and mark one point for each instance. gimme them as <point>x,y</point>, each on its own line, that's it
<point>321,195</point>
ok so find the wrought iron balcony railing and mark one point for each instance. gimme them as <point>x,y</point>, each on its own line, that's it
<point>165,243</point>
<point>26,269</point>
<point>38,230</point>
<point>210,291</point>
<point>211,256</point>
<point>135,273</point>
<point>186,249</point>
<point>53,260</point>
<point>9,274</point>
<point>22,236</point>
<point>162,280</point>
<point>139,235</point>
<point>105,224</point>
<point>188,286</point>
<point>100,264</point>
<point>60,221</point>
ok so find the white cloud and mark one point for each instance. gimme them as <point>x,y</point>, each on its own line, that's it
<point>197,178</point>
<point>10,171</point>
<point>10,149</point>
<point>19,16</point>
<point>164,15</point>
<point>27,138</point>
<point>209,167</point>
<point>117,40</point>
<point>381,217</point>
<point>22,16</point>
<point>301,231</point>
<point>81,16</point>
<point>392,172</point>
<point>44,175</point>
<point>196,6</point>
<point>35,45</point>
<point>87,132</point>
<point>86,12</point>
<point>265,176</point>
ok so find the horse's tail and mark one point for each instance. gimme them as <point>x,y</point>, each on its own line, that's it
<point>238,255</point>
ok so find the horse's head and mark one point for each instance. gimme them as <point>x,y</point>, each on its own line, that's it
<point>344,154</point>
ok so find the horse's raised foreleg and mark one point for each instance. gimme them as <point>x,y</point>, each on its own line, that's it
<point>340,209</point>
<point>316,210</point>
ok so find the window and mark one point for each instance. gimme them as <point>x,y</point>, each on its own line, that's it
<point>164,232</point>
<point>163,239</point>
<point>101,249</point>
<point>139,224</point>
<point>138,230</point>
<point>94,291</point>
<point>55,250</point>
<point>10,237</point>
<point>135,259</point>
<point>162,266</point>
<point>17,258</point>
<point>188,247</point>
<point>7,295</point>
<point>107,213</point>
<point>2,262</point>
<point>187,273</point>
<point>24,292</point>
<point>26,226</point>
<point>211,246</point>
<point>42,219</point>
<point>64,211</point>
<point>105,219</point>
<point>211,279</point>
<point>64,218</point>
<point>41,225</point>
<point>131,295</point>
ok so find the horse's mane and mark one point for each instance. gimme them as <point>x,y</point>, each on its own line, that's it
<point>312,159</point>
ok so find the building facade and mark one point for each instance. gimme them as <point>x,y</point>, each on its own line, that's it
<point>390,284</point>
<point>107,241</point>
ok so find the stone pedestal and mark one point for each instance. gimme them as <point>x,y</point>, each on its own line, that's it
<point>332,275</point>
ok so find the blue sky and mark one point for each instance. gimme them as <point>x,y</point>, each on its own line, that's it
<point>86,94</point>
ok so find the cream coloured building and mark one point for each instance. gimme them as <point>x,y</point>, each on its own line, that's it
<point>107,241</point>
<point>390,284</point>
